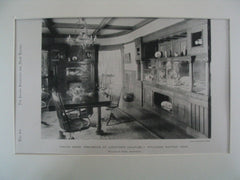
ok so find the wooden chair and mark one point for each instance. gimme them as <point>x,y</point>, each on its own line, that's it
<point>67,121</point>
<point>114,104</point>
<point>45,98</point>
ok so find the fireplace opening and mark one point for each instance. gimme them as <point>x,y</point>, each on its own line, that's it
<point>162,101</point>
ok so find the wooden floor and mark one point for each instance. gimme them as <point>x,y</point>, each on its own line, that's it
<point>122,128</point>
<point>136,123</point>
<point>152,121</point>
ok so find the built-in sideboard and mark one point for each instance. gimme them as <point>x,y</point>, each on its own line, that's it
<point>173,74</point>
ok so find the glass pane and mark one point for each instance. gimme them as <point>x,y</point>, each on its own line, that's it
<point>178,74</point>
<point>199,77</point>
<point>161,72</point>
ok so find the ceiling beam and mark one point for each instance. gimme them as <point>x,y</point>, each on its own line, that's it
<point>75,26</point>
<point>137,26</point>
<point>50,25</point>
<point>103,23</point>
<point>47,35</point>
<point>90,26</point>
<point>143,23</point>
<point>114,34</point>
<point>117,27</point>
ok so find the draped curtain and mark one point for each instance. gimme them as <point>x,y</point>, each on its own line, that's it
<point>110,71</point>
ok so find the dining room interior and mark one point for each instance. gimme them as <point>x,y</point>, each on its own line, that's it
<point>125,78</point>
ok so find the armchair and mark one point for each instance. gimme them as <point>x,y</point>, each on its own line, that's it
<point>68,123</point>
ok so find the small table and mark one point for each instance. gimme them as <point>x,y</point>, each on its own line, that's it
<point>97,100</point>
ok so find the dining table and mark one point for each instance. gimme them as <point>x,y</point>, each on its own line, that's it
<point>97,100</point>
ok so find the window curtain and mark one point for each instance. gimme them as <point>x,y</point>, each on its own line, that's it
<point>110,71</point>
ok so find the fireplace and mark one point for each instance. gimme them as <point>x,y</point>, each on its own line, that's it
<point>162,101</point>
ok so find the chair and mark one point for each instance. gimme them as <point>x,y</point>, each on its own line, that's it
<point>67,121</point>
<point>45,98</point>
<point>114,104</point>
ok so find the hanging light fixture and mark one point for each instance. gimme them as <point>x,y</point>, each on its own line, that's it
<point>83,39</point>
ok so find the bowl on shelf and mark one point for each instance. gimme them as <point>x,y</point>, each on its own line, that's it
<point>158,54</point>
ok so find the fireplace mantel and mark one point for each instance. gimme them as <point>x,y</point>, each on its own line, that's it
<point>189,108</point>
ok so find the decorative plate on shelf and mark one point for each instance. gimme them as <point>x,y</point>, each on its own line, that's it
<point>157,54</point>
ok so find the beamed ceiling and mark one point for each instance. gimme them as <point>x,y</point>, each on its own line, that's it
<point>101,27</point>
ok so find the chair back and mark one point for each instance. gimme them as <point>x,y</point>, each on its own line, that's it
<point>61,114</point>
<point>115,99</point>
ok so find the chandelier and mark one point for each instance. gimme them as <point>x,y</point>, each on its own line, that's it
<point>83,39</point>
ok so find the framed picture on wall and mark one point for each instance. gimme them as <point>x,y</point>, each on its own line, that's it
<point>127,58</point>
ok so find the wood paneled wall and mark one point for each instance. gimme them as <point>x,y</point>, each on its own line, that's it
<point>199,119</point>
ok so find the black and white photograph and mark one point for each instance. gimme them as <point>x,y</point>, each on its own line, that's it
<point>120,85</point>
<point>115,90</point>
<point>154,84</point>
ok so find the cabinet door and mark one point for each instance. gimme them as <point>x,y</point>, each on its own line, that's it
<point>200,82</point>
